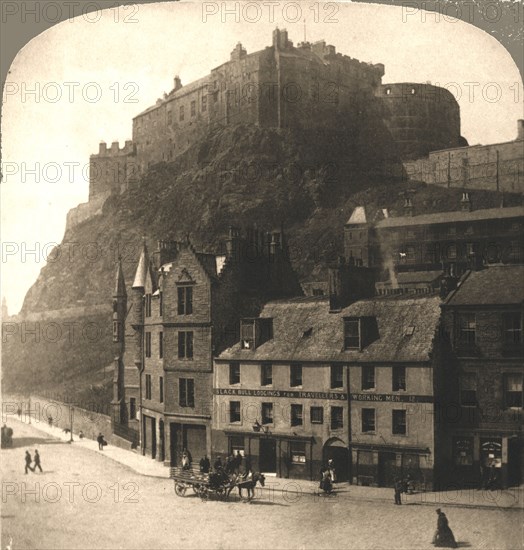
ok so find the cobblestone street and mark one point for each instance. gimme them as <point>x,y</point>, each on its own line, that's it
<point>85,500</point>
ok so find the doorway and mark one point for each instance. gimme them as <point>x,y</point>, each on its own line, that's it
<point>338,452</point>
<point>387,469</point>
<point>268,456</point>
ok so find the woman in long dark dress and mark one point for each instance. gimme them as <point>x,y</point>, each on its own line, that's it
<point>444,537</point>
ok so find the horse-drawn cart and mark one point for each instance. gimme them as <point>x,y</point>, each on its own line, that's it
<point>203,485</point>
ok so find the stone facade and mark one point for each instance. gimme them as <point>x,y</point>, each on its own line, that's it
<point>420,118</point>
<point>482,407</point>
<point>183,310</point>
<point>434,241</point>
<point>496,167</point>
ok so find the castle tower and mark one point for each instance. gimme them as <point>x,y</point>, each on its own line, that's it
<point>119,317</point>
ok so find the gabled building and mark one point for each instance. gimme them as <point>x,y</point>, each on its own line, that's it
<point>482,408</point>
<point>345,378</point>
<point>185,308</point>
<point>429,241</point>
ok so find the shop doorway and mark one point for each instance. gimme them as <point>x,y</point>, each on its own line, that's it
<point>268,456</point>
<point>387,469</point>
<point>336,450</point>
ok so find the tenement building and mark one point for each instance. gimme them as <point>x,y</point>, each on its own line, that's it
<point>482,408</point>
<point>183,309</point>
<point>421,246</point>
<point>350,379</point>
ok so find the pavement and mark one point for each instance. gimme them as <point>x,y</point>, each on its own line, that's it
<point>292,489</point>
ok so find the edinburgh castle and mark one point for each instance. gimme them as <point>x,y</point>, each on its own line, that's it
<point>407,130</point>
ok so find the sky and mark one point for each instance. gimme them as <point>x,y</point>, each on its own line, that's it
<point>83,80</point>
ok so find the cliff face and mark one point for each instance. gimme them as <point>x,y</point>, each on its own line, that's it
<point>307,181</point>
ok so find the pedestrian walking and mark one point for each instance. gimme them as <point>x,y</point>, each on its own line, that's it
<point>186,461</point>
<point>28,461</point>
<point>50,421</point>
<point>19,412</point>
<point>81,434</point>
<point>399,486</point>
<point>332,471</point>
<point>444,537</point>
<point>101,441</point>
<point>37,461</point>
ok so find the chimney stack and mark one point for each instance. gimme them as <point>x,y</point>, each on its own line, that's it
<point>348,283</point>
<point>233,244</point>
<point>178,83</point>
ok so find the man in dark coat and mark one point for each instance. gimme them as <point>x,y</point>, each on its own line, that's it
<point>37,462</point>
<point>28,461</point>
<point>399,487</point>
<point>205,465</point>
<point>444,537</point>
<point>100,440</point>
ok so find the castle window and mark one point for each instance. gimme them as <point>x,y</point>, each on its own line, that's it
<point>399,378</point>
<point>296,415</point>
<point>234,411</point>
<point>169,117</point>
<point>467,328</point>
<point>297,450</point>
<point>161,389</point>
<point>351,334</point>
<point>234,373</point>
<point>185,345</point>
<point>468,390</point>
<point>148,386</point>
<point>368,420</point>
<point>295,375</point>
<point>399,422</point>
<point>513,391</point>
<point>193,108</point>
<point>317,415</point>
<point>132,408</point>
<point>181,116</point>
<point>337,418</point>
<point>186,392</point>
<point>185,300</point>
<point>368,378</point>
<point>204,103</point>
<point>337,376</point>
<point>512,328</point>
<point>160,345</point>
<point>266,374</point>
<point>148,344</point>
<point>388,91</point>
<point>267,413</point>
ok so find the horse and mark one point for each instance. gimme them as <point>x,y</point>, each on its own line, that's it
<point>249,484</point>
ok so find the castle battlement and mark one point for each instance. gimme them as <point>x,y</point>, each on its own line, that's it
<point>307,87</point>
<point>115,149</point>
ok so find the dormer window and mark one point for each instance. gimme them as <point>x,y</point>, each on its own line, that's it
<point>255,332</point>
<point>352,334</point>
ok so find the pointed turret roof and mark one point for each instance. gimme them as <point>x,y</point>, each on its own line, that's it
<point>142,269</point>
<point>358,216</point>
<point>120,283</point>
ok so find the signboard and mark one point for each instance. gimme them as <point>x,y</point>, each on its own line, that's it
<point>280,393</point>
<point>391,398</point>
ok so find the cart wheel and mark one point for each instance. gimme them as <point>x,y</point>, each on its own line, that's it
<point>180,489</point>
<point>203,493</point>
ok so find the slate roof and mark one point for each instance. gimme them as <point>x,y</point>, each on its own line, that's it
<point>293,319</point>
<point>495,285</point>
<point>454,216</point>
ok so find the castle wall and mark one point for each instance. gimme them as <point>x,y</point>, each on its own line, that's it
<point>497,167</point>
<point>420,118</point>
<point>111,169</point>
